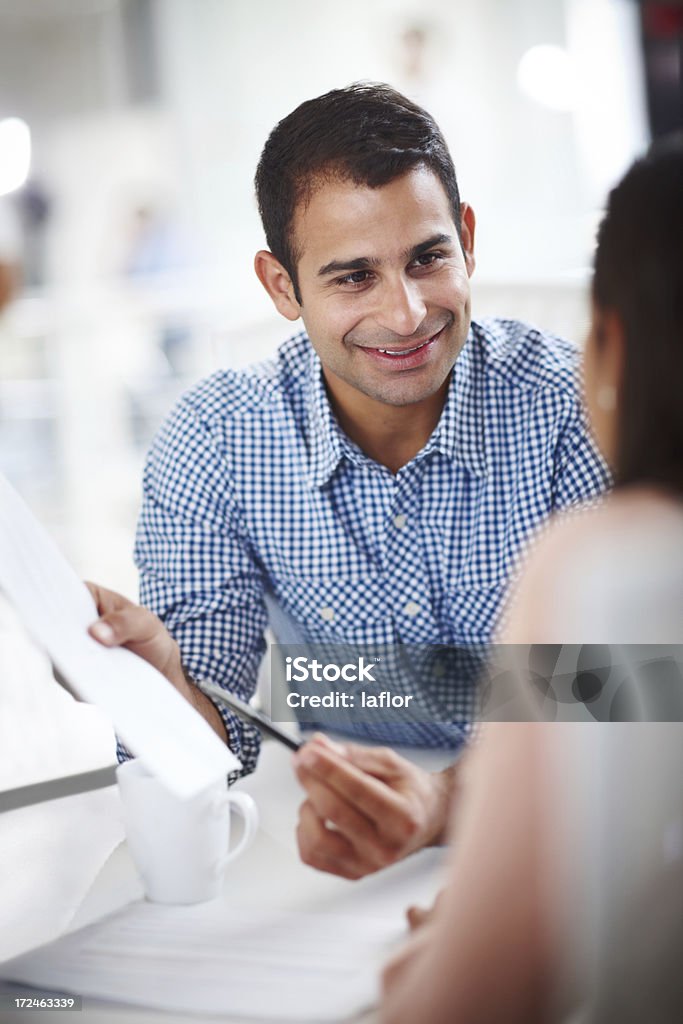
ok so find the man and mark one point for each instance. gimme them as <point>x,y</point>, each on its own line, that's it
<point>375,482</point>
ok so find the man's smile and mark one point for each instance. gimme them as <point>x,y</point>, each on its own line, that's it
<point>407,357</point>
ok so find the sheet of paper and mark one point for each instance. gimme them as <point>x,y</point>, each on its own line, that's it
<point>150,716</point>
<point>215,959</point>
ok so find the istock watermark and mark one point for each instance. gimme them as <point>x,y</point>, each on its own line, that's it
<point>351,687</point>
<point>343,686</point>
<point>303,669</point>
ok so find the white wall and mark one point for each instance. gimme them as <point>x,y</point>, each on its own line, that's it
<point>229,69</point>
<point>232,72</point>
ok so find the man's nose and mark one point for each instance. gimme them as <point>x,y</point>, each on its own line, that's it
<point>401,308</point>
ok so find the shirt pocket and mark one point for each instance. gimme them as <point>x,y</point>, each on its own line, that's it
<point>352,610</point>
<point>473,611</point>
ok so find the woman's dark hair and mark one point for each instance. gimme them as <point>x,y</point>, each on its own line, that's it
<point>367,133</point>
<point>639,276</point>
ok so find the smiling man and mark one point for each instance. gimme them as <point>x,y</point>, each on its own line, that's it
<point>390,312</point>
<point>373,483</point>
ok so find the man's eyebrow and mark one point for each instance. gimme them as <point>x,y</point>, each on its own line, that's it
<point>370,262</point>
<point>346,266</point>
<point>417,250</point>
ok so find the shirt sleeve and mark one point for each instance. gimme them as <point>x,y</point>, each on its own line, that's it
<point>581,474</point>
<point>197,569</point>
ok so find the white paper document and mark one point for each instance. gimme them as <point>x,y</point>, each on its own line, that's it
<point>214,959</point>
<point>153,720</point>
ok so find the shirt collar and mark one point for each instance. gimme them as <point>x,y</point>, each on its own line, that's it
<point>324,436</point>
<point>458,434</point>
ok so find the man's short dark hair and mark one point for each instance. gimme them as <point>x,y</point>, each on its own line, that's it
<point>639,275</point>
<point>367,133</point>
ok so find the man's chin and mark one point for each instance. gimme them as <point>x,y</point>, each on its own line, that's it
<point>403,394</point>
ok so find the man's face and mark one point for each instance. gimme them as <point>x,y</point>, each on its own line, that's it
<point>384,284</point>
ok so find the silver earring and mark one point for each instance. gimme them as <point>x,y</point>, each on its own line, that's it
<point>607,398</point>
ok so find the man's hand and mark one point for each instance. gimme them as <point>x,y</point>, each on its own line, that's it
<point>122,623</point>
<point>366,807</point>
<point>125,624</point>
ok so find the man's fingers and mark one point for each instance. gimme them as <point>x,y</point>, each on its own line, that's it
<point>103,632</point>
<point>125,624</point>
<point>320,739</point>
<point>323,849</point>
<point>369,795</point>
<point>114,627</point>
<point>361,833</point>
<point>376,799</point>
<point>382,762</point>
<point>360,789</point>
<point>106,600</point>
<point>128,625</point>
<point>330,806</point>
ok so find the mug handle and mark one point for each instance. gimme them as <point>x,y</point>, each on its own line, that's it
<point>243,803</point>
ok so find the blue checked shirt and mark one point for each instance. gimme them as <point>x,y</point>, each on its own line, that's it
<point>258,509</point>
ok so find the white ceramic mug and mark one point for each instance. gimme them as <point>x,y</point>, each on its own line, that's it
<point>181,847</point>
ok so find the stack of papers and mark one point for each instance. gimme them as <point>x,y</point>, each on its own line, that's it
<point>216,959</point>
<point>155,722</point>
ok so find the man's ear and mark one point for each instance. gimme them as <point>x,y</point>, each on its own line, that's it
<point>277,283</point>
<point>467,226</point>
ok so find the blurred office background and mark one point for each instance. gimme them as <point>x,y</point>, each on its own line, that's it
<point>129,135</point>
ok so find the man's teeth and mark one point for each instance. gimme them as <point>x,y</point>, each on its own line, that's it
<point>405,352</point>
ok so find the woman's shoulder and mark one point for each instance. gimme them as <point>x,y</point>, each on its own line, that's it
<point>590,574</point>
<point>633,522</point>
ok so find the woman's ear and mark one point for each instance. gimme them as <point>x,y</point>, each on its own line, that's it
<point>612,344</point>
<point>278,284</point>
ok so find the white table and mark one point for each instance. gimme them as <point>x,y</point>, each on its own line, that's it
<point>270,874</point>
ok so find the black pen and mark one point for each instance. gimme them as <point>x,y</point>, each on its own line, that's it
<point>249,714</point>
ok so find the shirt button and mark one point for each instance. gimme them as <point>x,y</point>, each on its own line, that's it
<point>411,609</point>
<point>400,521</point>
<point>327,614</point>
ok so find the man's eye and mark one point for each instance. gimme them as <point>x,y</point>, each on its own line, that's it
<point>358,277</point>
<point>428,259</point>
